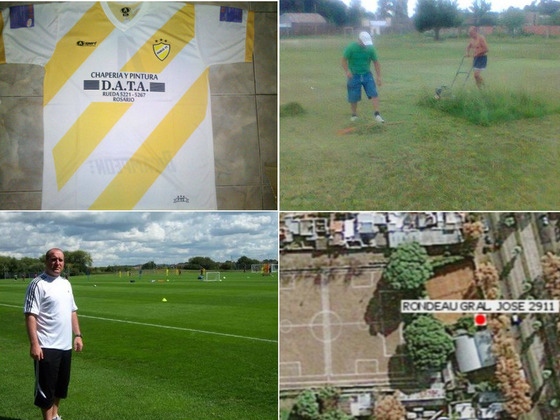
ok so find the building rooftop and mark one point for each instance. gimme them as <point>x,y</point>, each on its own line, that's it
<point>302,18</point>
<point>474,352</point>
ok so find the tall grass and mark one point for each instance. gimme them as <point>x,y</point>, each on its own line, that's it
<point>291,109</point>
<point>490,106</point>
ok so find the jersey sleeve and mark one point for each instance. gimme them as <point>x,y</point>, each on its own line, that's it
<point>32,299</point>
<point>373,54</point>
<point>28,33</point>
<point>74,307</point>
<point>347,51</point>
<point>225,34</point>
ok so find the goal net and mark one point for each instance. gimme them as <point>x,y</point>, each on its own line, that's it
<point>264,269</point>
<point>212,276</point>
<point>256,268</point>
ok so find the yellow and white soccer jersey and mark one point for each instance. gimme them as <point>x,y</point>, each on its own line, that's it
<point>127,116</point>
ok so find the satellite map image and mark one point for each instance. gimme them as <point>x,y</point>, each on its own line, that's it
<point>349,351</point>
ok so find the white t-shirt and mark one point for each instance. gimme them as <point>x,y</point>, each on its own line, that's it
<point>127,117</point>
<point>52,301</point>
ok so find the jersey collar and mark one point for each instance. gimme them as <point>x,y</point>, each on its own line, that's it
<point>48,277</point>
<point>123,26</point>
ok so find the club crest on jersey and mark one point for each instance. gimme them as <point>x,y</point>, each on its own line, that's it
<point>161,50</point>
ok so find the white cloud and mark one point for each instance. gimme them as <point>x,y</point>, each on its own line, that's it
<point>138,237</point>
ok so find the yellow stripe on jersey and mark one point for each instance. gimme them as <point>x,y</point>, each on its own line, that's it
<point>93,26</point>
<point>2,50</point>
<point>249,39</point>
<point>84,136</point>
<point>69,156</point>
<point>141,171</point>
<point>171,37</point>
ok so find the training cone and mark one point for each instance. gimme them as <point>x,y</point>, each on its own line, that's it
<point>164,300</point>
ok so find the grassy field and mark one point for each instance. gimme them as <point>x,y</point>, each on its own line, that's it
<point>423,157</point>
<point>209,352</point>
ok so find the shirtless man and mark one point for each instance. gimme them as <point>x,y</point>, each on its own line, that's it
<point>480,48</point>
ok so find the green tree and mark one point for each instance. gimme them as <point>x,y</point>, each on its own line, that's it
<point>489,19</point>
<point>427,343</point>
<point>291,6</point>
<point>465,323</point>
<point>77,261</point>
<point>228,265</point>
<point>354,13</point>
<point>328,398</point>
<point>336,415</point>
<point>548,7</point>
<point>396,9</point>
<point>32,265</point>
<point>196,263</point>
<point>307,405</point>
<point>333,10</point>
<point>479,10</point>
<point>436,15</point>
<point>531,7</point>
<point>246,262</point>
<point>408,267</point>
<point>513,20</point>
<point>149,266</point>
<point>400,9</point>
<point>385,8</point>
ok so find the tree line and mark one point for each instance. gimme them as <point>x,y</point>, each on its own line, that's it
<point>439,14</point>
<point>80,263</point>
<point>334,11</point>
<point>196,263</point>
<point>76,262</point>
<point>429,15</point>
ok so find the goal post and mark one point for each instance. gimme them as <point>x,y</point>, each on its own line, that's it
<point>212,276</point>
<point>264,269</point>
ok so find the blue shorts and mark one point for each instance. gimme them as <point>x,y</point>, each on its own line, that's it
<point>479,63</point>
<point>355,84</point>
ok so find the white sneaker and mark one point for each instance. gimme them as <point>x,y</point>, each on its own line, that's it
<point>379,119</point>
<point>354,118</point>
<point>57,418</point>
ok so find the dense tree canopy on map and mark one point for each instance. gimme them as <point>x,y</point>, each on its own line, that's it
<point>307,405</point>
<point>319,404</point>
<point>408,267</point>
<point>427,343</point>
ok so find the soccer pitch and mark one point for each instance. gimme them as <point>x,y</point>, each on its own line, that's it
<point>209,352</point>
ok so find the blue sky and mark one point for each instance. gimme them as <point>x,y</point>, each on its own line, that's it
<point>114,238</point>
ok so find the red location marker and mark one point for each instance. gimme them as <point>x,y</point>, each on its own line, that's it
<point>480,320</point>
